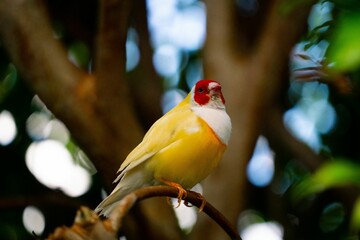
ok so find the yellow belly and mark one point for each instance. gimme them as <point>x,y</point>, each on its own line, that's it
<point>190,159</point>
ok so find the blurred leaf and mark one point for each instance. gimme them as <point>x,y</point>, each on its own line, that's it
<point>80,157</point>
<point>80,54</point>
<point>332,217</point>
<point>355,218</point>
<point>335,173</point>
<point>318,34</point>
<point>344,49</point>
<point>322,26</point>
<point>7,81</point>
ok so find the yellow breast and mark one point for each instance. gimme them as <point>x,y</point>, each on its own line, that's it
<point>191,153</point>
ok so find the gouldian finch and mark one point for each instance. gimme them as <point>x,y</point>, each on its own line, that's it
<point>180,149</point>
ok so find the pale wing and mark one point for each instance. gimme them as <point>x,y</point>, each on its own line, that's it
<point>163,133</point>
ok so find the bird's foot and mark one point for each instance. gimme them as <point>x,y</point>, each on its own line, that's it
<point>201,198</point>
<point>182,192</point>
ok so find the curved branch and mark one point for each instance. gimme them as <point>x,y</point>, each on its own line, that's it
<point>88,225</point>
<point>194,198</point>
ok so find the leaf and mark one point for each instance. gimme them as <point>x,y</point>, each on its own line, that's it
<point>80,157</point>
<point>323,25</point>
<point>355,217</point>
<point>79,53</point>
<point>344,49</point>
<point>332,217</point>
<point>7,81</point>
<point>335,173</point>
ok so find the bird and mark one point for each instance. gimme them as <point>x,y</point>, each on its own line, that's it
<point>180,149</point>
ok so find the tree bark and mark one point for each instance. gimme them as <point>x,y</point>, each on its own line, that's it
<point>96,108</point>
<point>252,82</point>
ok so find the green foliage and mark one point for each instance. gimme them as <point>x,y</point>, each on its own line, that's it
<point>317,34</point>
<point>79,52</point>
<point>355,218</point>
<point>80,157</point>
<point>8,79</point>
<point>344,49</point>
<point>336,173</point>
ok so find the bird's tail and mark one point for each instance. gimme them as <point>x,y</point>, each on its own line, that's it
<point>130,182</point>
<point>111,201</point>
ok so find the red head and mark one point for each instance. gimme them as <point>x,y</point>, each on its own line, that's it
<point>208,93</point>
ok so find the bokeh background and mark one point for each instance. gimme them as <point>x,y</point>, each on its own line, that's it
<point>290,73</point>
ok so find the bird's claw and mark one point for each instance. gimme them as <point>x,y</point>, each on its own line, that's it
<point>201,198</point>
<point>203,201</point>
<point>182,192</point>
<point>182,195</point>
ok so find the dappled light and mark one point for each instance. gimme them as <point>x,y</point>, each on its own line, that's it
<point>312,115</point>
<point>178,22</point>
<point>33,220</point>
<point>36,125</point>
<point>167,60</point>
<point>53,166</point>
<point>132,50</point>
<point>187,215</point>
<point>320,14</point>
<point>252,226</point>
<point>194,72</point>
<point>171,98</point>
<point>57,131</point>
<point>8,128</point>
<point>133,55</point>
<point>261,167</point>
<point>82,82</point>
<point>259,231</point>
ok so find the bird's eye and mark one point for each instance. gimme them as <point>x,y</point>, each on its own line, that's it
<point>200,90</point>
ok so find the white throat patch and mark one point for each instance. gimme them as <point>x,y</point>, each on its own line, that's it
<point>217,119</point>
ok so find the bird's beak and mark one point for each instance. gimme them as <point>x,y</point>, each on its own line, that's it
<point>215,90</point>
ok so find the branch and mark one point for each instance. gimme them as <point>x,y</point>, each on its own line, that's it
<point>252,85</point>
<point>113,93</point>
<point>114,223</point>
<point>38,56</point>
<point>221,33</point>
<point>85,103</point>
<point>110,85</point>
<point>166,191</point>
<point>145,84</point>
<point>280,34</point>
<point>67,91</point>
